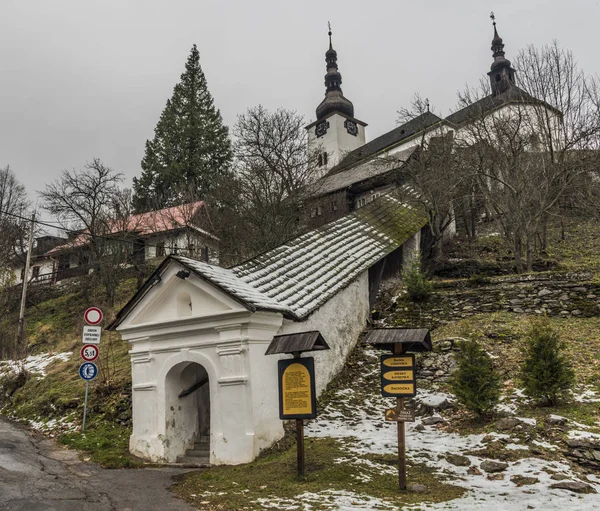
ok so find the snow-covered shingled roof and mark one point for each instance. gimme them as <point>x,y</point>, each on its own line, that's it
<point>301,275</point>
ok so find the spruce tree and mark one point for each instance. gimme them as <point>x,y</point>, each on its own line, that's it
<point>191,148</point>
<point>546,373</point>
<point>476,384</point>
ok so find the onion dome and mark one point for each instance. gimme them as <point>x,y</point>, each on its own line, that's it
<point>334,99</point>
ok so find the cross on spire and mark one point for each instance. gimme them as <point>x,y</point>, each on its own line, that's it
<point>329,27</point>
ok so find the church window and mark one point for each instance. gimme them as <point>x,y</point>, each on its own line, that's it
<point>351,127</point>
<point>322,159</point>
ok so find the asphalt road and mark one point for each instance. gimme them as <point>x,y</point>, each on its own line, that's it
<point>36,474</point>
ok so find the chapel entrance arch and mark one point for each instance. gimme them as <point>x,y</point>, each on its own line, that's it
<point>187,407</point>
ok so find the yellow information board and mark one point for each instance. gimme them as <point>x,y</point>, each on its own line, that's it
<point>297,397</point>
<point>398,375</point>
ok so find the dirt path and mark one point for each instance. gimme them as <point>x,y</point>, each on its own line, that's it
<point>38,475</point>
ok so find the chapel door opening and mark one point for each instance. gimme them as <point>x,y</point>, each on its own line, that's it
<point>188,410</point>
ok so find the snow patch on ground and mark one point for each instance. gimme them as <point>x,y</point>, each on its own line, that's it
<point>33,363</point>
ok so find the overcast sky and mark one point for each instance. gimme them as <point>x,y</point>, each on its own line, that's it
<point>84,79</point>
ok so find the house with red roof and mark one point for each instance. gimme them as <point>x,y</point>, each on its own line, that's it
<point>179,230</point>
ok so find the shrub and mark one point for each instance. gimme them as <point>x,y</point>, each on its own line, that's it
<point>546,373</point>
<point>475,384</point>
<point>415,281</point>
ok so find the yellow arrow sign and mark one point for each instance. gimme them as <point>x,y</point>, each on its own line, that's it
<point>398,362</point>
<point>399,375</point>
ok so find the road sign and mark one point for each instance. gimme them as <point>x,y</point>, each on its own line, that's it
<point>89,352</point>
<point>88,371</point>
<point>91,334</point>
<point>93,316</point>
<point>396,415</point>
<point>398,375</point>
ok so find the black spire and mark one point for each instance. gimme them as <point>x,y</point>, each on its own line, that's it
<point>334,99</point>
<point>502,75</point>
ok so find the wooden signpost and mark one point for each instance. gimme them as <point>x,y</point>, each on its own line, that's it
<point>296,382</point>
<point>297,397</point>
<point>398,378</point>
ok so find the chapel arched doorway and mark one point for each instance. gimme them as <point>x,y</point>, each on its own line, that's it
<point>187,394</point>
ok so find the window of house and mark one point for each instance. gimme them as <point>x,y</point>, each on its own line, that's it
<point>319,211</point>
<point>160,249</point>
<point>334,205</point>
<point>35,272</point>
<point>191,250</point>
<point>175,250</point>
<point>206,254</point>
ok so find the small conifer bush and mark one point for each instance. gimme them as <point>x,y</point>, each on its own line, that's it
<point>546,373</point>
<point>415,281</point>
<point>475,384</point>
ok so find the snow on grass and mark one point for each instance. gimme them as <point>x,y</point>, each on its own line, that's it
<point>328,499</point>
<point>33,363</point>
<point>365,431</point>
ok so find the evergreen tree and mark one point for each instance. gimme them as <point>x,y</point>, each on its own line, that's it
<point>476,384</point>
<point>190,148</point>
<point>545,371</point>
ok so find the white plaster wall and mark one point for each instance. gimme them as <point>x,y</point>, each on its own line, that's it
<point>337,142</point>
<point>340,321</point>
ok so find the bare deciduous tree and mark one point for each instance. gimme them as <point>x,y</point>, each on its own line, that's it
<point>528,156</point>
<point>258,208</point>
<point>84,201</point>
<point>13,229</point>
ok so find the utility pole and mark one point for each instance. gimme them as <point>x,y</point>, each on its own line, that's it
<point>20,329</point>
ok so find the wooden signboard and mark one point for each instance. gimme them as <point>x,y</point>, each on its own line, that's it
<point>398,375</point>
<point>297,393</point>
<point>396,415</point>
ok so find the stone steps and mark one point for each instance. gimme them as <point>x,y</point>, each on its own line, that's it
<point>199,455</point>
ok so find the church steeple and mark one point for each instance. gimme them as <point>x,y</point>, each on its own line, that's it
<point>502,75</point>
<point>334,99</point>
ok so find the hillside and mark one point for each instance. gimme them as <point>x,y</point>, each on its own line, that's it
<point>350,448</point>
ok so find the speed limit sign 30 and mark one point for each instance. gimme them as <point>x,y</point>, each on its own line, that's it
<point>89,352</point>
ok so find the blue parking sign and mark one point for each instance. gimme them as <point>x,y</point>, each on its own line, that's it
<point>88,371</point>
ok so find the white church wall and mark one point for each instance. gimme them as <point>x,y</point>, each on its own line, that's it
<point>340,321</point>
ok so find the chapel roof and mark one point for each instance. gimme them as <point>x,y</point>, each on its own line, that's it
<point>299,276</point>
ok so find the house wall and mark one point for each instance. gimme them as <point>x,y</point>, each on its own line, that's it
<point>178,244</point>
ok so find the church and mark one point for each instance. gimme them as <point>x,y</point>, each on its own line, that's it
<point>203,390</point>
<point>355,172</point>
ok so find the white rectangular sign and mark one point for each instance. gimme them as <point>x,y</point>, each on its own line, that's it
<point>91,334</point>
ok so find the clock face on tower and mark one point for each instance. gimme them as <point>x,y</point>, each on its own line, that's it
<point>351,127</point>
<point>321,128</point>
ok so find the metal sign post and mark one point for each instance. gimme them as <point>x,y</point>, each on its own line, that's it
<point>87,371</point>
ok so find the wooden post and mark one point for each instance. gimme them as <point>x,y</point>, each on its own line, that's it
<point>398,350</point>
<point>21,325</point>
<point>299,437</point>
<point>300,446</point>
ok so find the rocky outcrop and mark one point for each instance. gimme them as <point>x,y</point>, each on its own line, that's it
<point>584,451</point>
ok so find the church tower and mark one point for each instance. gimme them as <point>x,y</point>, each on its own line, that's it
<point>502,75</point>
<point>336,131</point>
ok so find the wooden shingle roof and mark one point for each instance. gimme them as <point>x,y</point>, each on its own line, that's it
<point>299,276</point>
